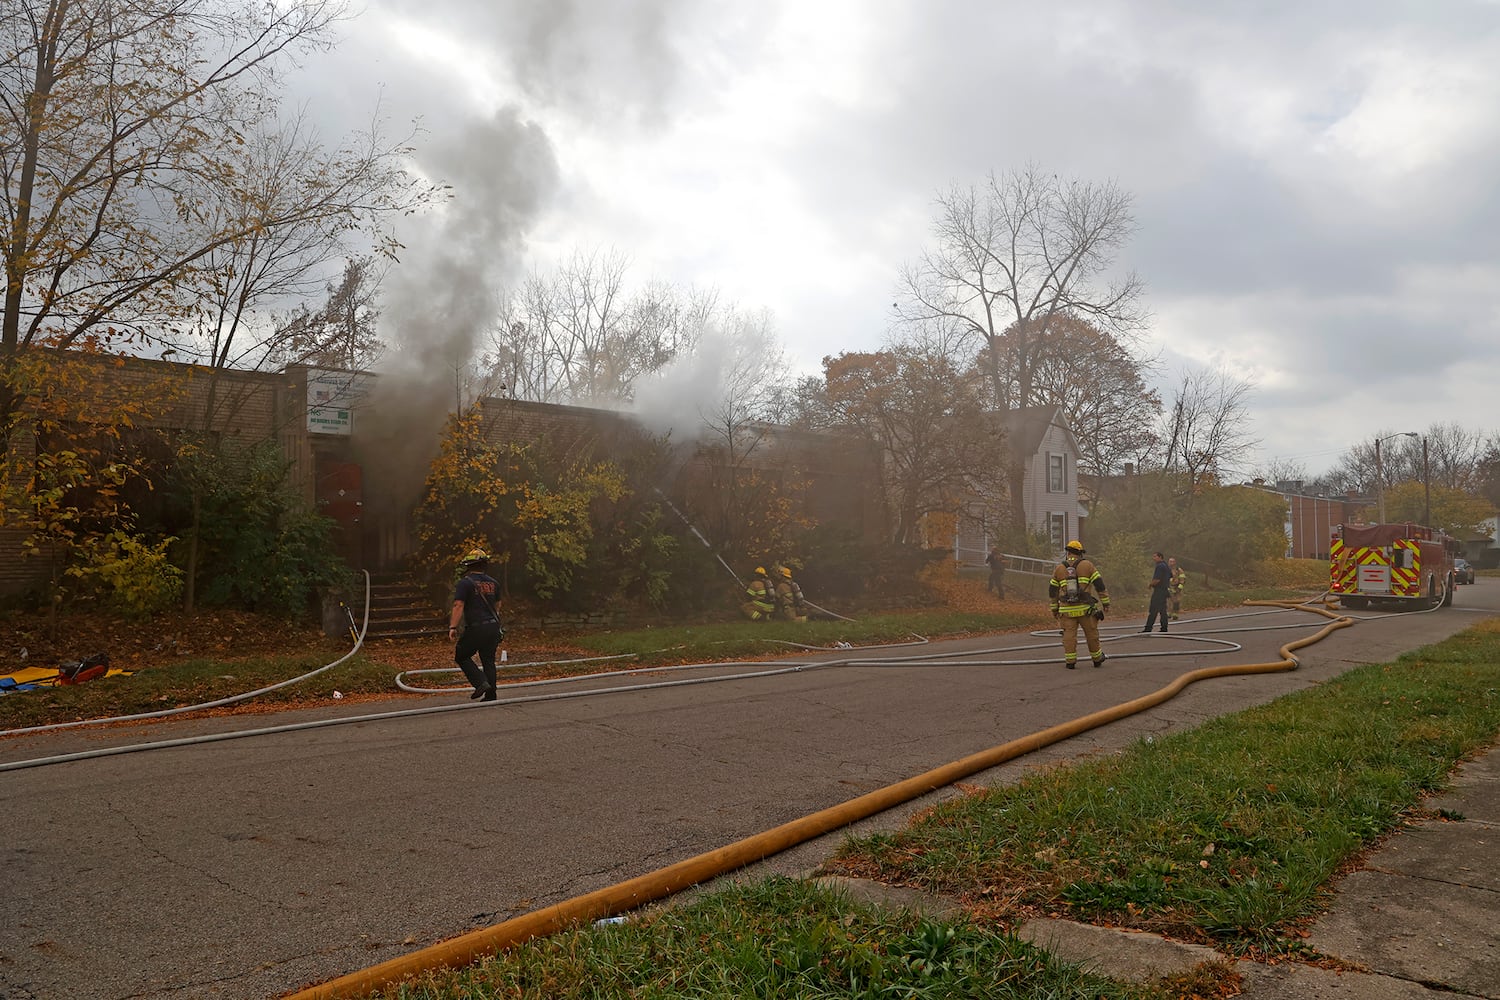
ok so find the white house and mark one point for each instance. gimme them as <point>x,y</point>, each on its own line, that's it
<point>1041,437</point>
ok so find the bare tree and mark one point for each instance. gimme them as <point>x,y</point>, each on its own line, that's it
<point>579,334</point>
<point>112,114</point>
<point>292,207</point>
<point>1283,470</point>
<point>1202,432</point>
<point>1454,459</point>
<point>1014,255</point>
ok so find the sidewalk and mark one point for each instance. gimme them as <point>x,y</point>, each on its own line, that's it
<point>1420,919</point>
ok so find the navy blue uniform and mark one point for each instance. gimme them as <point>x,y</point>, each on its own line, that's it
<point>479,596</point>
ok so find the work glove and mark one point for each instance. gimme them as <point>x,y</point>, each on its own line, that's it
<point>1056,613</point>
<point>1099,614</point>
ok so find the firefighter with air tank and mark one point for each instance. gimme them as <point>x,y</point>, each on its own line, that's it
<point>1079,598</point>
<point>761,592</point>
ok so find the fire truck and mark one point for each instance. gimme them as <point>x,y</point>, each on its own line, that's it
<point>1391,564</point>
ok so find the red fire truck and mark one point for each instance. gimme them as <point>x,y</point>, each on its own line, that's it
<point>1392,564</point>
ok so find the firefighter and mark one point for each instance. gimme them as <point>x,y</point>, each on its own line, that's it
<point>1078,597</point>
<point>762,603</point>
<point>474,623</point>
<point>789,602</point>
<point>1175,586</point>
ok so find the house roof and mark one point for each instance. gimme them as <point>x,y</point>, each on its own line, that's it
<point>1026,426</point>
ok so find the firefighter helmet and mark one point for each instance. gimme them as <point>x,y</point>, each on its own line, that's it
<point>1076,547</point>
<point>786,572</point>
<point>760,571</point>
<point>475,557</point>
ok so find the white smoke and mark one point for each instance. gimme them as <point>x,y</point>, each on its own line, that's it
<point>727,379</point>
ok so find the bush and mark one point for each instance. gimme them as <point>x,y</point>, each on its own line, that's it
<point>1125,563</point>
<point>131,575</point>
<point>842,566</point>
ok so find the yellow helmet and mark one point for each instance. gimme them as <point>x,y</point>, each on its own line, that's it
<point>475,556</point>
<point>786,572</point>
<point>1075,546</point>
<point>760,571</point>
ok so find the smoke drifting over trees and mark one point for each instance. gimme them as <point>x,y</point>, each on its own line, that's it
<point>442,297</point>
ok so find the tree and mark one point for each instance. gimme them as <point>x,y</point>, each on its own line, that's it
<point>245,538</point>
<point>1100,387</point>
<point>1203,430</point>
<point>1455,458</point>
<point>723,394</point>
<point>939,448</point>
<point>1452,510</point>
<point>505,499</point>
<point>122,128</point>
<point>1488,471</point>
<point>579,335</point>
<point>343,331</point>
<point>73,494</point>
<point>1012,257</point>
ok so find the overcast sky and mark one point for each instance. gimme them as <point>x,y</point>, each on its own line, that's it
<point>1314,183</point>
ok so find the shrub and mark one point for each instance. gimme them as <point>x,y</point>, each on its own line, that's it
<point>131,575</point>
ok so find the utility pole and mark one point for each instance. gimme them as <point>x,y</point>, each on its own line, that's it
<point>1426,486</point>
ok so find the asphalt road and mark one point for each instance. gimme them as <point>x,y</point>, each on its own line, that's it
<point>249,867</point>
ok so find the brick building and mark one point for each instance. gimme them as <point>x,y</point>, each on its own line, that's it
<point>353,476</point>
<point>1310,518</point>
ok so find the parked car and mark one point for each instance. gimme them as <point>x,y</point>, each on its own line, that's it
<point>1463,572</point>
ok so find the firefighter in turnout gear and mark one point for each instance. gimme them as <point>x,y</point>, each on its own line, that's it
<point>762,593</point>
<point>790,604</point>
<point>1176,586</point>
<point>1078,597</point>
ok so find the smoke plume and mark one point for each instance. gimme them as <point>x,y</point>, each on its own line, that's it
<point>441,297</point>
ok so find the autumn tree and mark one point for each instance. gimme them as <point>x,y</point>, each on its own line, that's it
<point>139,158</point>
<point>1099,385</point>
<point>1455,511</point>
<point>937,444</point>
<point>71,498</point>
<point>1016,254</point>
<point>504,498</point>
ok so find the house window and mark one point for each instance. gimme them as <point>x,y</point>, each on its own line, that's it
<point>1057,528</point>
<point>1057,474</point>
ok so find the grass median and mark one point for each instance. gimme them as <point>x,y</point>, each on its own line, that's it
<point>1229,834</point>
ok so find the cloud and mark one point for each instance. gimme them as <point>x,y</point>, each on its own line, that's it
<point>1314,183</point>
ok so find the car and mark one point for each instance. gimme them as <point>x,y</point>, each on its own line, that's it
<point>1463,571</point>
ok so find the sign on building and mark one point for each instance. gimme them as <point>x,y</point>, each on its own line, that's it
<point>331,398</point>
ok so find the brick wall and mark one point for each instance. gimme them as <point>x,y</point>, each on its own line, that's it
<point>250,406</point>
<point>255,406</point>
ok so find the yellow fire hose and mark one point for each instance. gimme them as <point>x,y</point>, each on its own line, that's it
<point>468,948</point>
